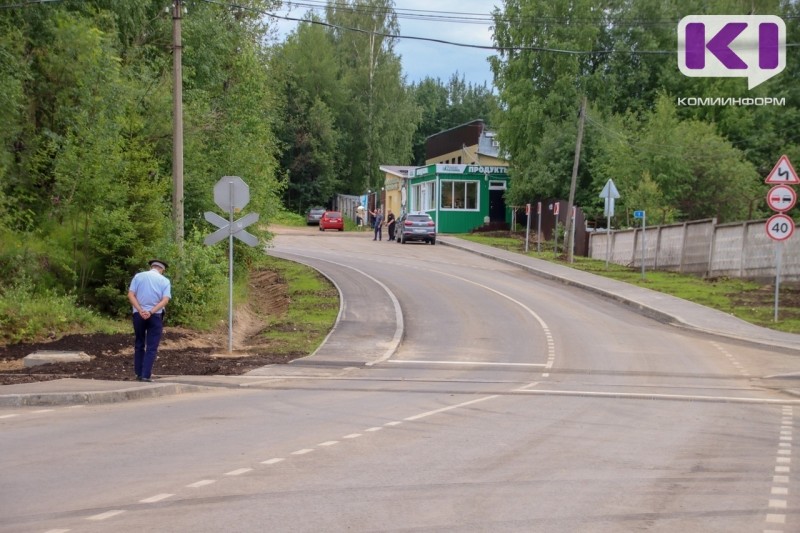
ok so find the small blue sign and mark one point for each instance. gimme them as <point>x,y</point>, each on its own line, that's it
<point>638,214</point>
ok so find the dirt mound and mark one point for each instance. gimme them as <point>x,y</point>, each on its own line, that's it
<point>182,351</point>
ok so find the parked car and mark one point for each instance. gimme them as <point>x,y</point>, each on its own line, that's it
<point>313,215</point>
<point>331,220</point>
<point>415,227</point>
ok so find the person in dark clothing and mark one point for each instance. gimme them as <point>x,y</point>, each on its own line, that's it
<point>378,224</point>
<point>390,223</point>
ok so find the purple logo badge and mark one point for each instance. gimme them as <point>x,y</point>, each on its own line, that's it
<point>747,46</point>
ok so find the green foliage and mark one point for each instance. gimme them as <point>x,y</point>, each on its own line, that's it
<point>679,162</point>
<point>29,314</point>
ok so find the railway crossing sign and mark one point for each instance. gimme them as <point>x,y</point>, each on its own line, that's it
<point>781,198</point>
<point>226,229</point>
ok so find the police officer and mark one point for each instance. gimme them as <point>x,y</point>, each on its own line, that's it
<point>149,294</point>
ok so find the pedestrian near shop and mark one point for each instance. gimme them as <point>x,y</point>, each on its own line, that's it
<point>149,294</point>
<point>378,225</point>
<point>390,223</point>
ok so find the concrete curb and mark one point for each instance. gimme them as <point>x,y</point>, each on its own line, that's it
<point>97,397</point>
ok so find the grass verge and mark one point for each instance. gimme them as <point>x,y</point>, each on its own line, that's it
<point>312,311</point>
<point>748,300</point>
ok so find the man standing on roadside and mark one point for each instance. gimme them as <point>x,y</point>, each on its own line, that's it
<point>378,224</point>
<point>149,294</point>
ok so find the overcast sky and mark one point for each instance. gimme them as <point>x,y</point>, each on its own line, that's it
<point>447,20</point>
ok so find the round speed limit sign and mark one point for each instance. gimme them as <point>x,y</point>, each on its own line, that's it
<point>780,227</point>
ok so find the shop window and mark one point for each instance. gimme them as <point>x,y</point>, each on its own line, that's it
<point>459,195</point>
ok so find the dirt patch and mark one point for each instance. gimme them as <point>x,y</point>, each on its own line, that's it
<point>182,351</point>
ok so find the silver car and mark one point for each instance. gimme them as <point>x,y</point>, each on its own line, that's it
<point>415,227</point>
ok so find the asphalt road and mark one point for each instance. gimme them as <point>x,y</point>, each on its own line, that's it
<point>491,400</point>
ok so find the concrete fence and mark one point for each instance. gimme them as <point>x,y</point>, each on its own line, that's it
<point>703,248</point>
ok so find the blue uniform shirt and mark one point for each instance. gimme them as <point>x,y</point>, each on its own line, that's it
<point>150,287</point>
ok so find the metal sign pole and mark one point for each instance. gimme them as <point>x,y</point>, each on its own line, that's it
<point>527,226</point>
<point>644,236</point>
<point>539,227</point>
<point>779,253</point>
<point>230,276</point>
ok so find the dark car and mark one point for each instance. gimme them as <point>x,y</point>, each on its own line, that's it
<point>415,227</point>
<point>331,220</point>
<point>313,215</point>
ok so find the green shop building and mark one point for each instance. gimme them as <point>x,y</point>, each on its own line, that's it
<point>459,198</point>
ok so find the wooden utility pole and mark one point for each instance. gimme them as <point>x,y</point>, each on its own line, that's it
<point>177,124</point>
<point>570,232</point>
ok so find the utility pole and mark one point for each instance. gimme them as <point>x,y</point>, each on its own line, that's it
<point>569,234</point>
<point>177,124</point>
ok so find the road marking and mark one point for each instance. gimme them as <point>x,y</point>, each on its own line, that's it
<point>238,472</point>
<point>156,498</point>
<point>352,436</point>
<point>106,515</point>
<point>201,483</point>
<point>780,491</point>
<point>443,409</point>
<point>44,411</point>
<point>551,346</point>
<point>8,416</point>
<point>371,430</point>
<point>398,313</point>
<point>57,531</point>
<point>777,504</point>
<point>328,443</point>
<point>654,396</point>
<point>303,451</point>
<point>395,423</point>
<point>465,363</point>
<point>272,461</point>
<point>776,518</point>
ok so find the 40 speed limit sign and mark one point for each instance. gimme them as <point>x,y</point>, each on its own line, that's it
<point>780,227</point>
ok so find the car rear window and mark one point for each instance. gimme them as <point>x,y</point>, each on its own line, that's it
<point>334,214</point>
<point>419,218</point>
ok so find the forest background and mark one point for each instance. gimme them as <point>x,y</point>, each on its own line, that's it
<point>86,138</point>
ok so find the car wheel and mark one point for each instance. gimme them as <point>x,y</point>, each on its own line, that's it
<point>320,228</point>
<point>341,229</point>
<point>433,241</point>
<point>403,239</point>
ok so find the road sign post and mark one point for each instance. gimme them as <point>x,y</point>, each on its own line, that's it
<point>539,227</point>
<point>556,206</point>
<point>231,194</point>
<point>527,226</point>
<point>780,198</point>
<point>609,194</point>
<point>642,215</point>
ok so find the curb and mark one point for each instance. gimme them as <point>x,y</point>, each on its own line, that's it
<point>96,397</point>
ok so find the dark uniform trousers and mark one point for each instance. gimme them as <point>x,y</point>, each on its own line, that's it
<point>145,347</point>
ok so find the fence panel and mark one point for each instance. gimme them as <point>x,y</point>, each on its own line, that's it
<point>703,248</point>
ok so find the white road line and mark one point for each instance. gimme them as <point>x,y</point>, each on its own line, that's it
<point>395,423</point>
<point>8,416</point>
<point>443,409</point>
<point>106,515</point>
<point>156,498</point>
<point>780,491</point>
<point>777,504</point>
<point>303,451</point>
<point>352,436</point>
<point>398,313</point>
<point>44,411</point>
<point>328,443</point>
<point>272,461</point>
<point>776,518</point>
<point>653,396</point>
<point>780,479</point>
<point>238,472</point>
<point>465,363</point>
<point>56,531</point>
<point>201,483</point>
<point>371,430</point>
<point>782,469</point>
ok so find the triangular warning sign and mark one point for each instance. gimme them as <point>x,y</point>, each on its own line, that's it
<point>783,173</point>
